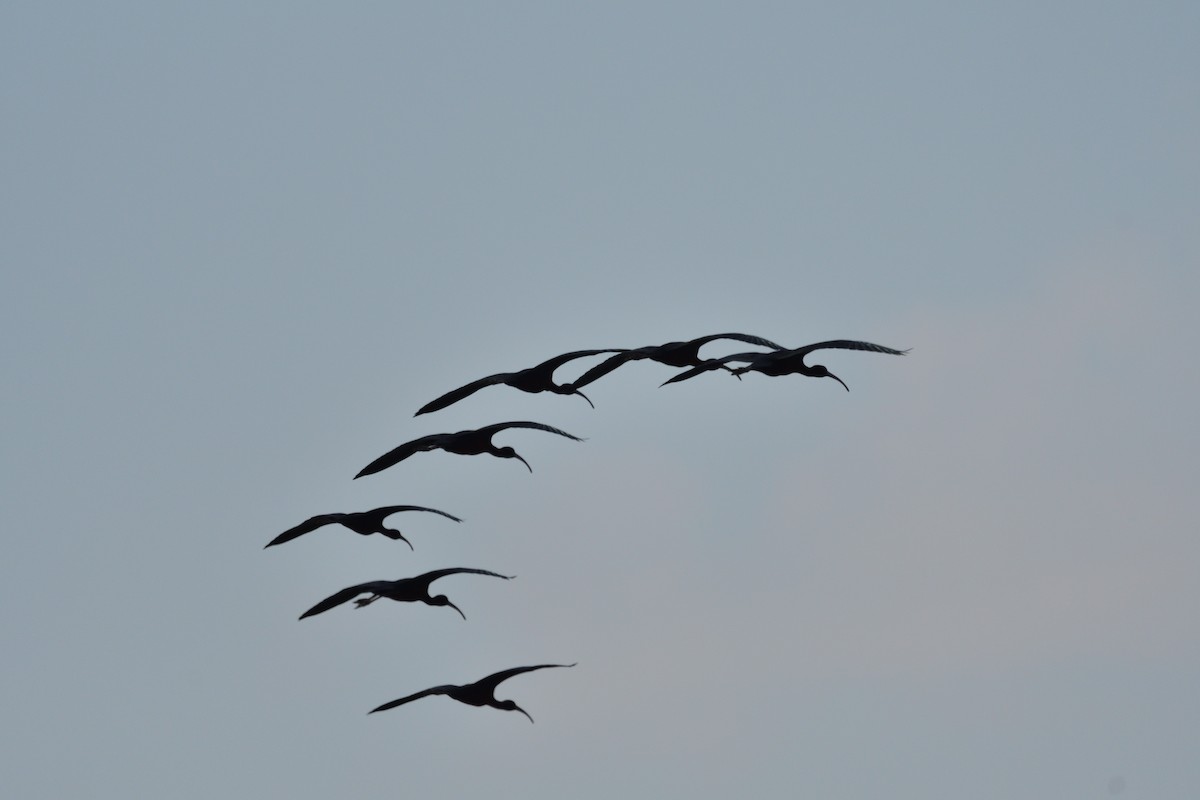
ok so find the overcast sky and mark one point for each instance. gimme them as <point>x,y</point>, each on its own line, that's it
<point>242,243</point>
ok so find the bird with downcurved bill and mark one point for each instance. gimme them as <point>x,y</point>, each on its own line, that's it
<point>405,590</point>
<point>673,354</point>
<point>784,362</point>
<point>361,522</point>
<point>480,693</point>
<point>467,443</point>
<point>538,378</point>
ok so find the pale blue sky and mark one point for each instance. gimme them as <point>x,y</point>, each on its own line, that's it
<point>241,246</point>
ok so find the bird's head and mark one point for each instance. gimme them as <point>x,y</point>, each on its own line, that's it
<point>508,452</point>
<point>819,371</point>
<point>442,600</point>
<point>509,705</point>
<point>394,534</point>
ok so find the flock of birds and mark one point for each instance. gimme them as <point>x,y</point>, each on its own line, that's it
<point>775,361</point>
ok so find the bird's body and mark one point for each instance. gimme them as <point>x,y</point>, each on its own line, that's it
<point>405,590</point>
<point>361,522</point>
<point>673,354</point>
<point>539,378</point>
<point>784,362</point>
<point>467,443</point>
<point>480,693</point>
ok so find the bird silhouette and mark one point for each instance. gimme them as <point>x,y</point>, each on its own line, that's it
<point>362,522</point>
<point>467,443</point>
<point>480,693</point>
<point>405,590</point>
<point>673,354</point>
<point>784,362</point>
<point>535,379</point>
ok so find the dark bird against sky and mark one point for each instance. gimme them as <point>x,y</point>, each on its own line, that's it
<point>673,354</point>
<point>784,362</point>
<point>405,590</point>
<point>467,443</point>
<point>363,522</point>
<point>480,693</point>
<point>535,379</point>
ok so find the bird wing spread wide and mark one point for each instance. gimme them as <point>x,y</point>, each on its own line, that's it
<point>430,577</point>
<point>398,454</point>
<point>848,344</point>
<point>309,525</point>
<point>452,397</point>
<point>344,596</point>
<point>495,679</point>
<point>500,426</point>
<point>425,693</point>
<point>388,510</point>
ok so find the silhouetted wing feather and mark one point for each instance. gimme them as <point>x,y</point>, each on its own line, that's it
<point>309,525</point>
<point>494,680</point>
<point>398,454</point>
<point>740,337</point>
<point>429,577</point>
<point>846,344</point>
<point>492,430</point>
<point>426,693</point>
<point>345,596</point>
<point>606,366</point>
<point>551,364</point>
<point>452,397</point>
<point>389,510</point>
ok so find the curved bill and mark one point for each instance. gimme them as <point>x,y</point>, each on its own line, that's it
<point>585,397</point>
<point>523,711</point>
<point>456,608</point>
<point>523,461</point>
<point>839,380</point>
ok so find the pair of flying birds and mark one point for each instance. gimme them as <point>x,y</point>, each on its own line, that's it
<point>539,378</point>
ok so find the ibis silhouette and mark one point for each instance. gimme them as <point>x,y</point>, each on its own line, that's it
<point>362,522</point>
<point>784,362</point>
<point>539,378</point>
<point>480,693</point>
<point>673,354</point>
<point>405,590</point>
<point>467,443</point>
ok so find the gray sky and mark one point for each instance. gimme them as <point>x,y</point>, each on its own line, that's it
<point>241,246</point>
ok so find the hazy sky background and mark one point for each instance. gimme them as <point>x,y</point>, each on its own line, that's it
<point>242,245</point>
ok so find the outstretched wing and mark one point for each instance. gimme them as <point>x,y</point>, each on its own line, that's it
<point>740,337</point>
<point>429,577</point>
<point>714,363</point>
<point>309,525</point>
<point>398,454</point>
<point>389,510</point>
<point>344,596</point>
<point>606,366</point>
<point>491,430</point>
<point>426,693</point>
<point>452,397</point>
<point>846,344</point>
<point>492,681</point>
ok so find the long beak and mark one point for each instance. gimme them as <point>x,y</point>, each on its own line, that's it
<point>523,711</point>
<point>839,380</point>
<point>456,608</point>
<point>585,397</point>
<point>523,461</point>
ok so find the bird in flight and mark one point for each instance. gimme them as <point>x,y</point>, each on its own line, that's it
<point>535,379</point>
<point>362,522</point>
<point>480,693</point>
<point>784,362</point>
<point>673,354</point>
<point>405,590</point>
<point>467,443</point>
